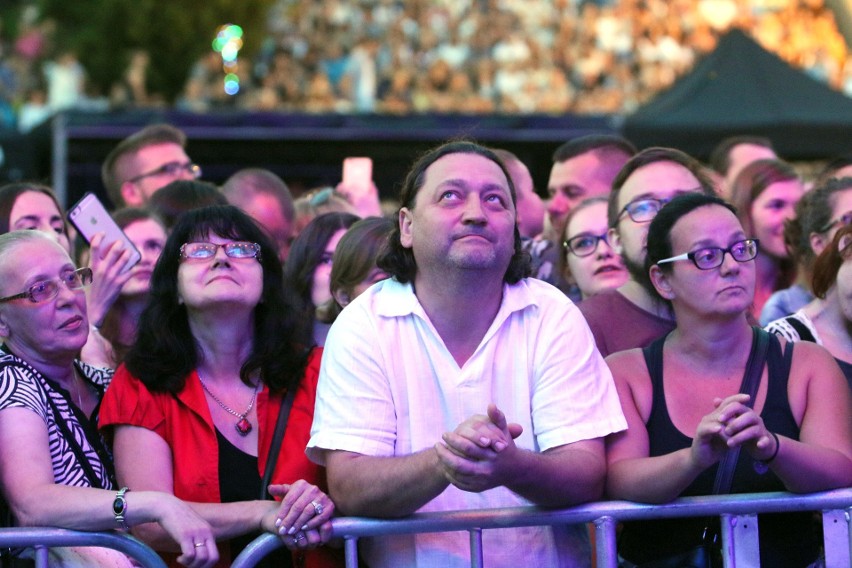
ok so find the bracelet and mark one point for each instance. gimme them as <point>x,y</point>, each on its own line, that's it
<point>775,453</point>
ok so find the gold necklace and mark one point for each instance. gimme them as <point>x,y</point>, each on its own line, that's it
<point>243,426</point>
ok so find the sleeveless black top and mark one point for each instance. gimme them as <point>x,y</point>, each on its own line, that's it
<point>239,480</point>
<point>786,540</point>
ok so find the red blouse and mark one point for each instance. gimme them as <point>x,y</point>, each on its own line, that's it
<point>184,422</point>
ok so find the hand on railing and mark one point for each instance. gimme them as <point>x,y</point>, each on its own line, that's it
<point>192,533</point>
<point>302,519</point>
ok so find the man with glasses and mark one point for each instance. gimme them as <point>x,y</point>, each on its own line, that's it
<point>632,316</point>
<point>145,162</point>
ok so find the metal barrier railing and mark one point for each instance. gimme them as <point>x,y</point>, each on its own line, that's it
<point>738,514</point>
<point>41,539</point>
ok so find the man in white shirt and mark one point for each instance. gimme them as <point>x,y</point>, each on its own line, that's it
<point>423,373</point>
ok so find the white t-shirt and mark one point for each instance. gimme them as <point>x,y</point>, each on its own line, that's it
<point>389,387</point>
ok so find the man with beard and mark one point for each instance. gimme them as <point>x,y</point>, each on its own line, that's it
<point>632,316</point>
<point>424,353</point>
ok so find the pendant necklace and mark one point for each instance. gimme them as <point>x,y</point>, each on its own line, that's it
<point>243,426</point>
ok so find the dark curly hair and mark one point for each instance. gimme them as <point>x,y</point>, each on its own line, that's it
<point>397,260</point>
<point>813,214</point>
<point>165,351</point>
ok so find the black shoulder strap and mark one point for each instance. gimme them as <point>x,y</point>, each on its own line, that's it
<point>751,380</point>
<point>653,354</point>
<point>277,438</point>
<point>70,439</point>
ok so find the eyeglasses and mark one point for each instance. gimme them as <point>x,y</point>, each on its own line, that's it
<point>46,290</point>
<point>843,220</point>
<point>713,257</point>
<point>172,169</point>
<point>643,210</point>
<point>205,251</point>
<point>584,245</point>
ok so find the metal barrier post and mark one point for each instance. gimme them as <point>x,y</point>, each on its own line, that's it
<point>351,551</point>
<point>41,556</point>
<point>837,537</point>
<point>605,542</point>
<point>476,558</point>
<point>740,540</point>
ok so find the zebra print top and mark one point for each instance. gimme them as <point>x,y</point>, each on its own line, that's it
<point>22,386</point>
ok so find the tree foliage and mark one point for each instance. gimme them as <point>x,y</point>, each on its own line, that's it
<point>176,33</point>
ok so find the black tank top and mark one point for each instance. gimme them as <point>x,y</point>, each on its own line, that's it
<point>239,480</point>
<point>786,540</point>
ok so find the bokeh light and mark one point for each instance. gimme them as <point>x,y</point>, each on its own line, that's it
<point>228,43</point>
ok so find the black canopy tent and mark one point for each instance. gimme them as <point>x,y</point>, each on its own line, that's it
<point>740,88</point>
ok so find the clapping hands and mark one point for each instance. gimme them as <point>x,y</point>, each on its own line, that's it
<point>477,455</point>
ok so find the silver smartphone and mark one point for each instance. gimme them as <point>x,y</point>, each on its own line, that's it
<point>90,217</point>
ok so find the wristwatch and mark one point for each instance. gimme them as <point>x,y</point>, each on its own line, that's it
<point>119,508</point>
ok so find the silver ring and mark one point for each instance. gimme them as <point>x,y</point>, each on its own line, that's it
<point>317,507</point>
<point>198,544</point>
<point>300,536</point>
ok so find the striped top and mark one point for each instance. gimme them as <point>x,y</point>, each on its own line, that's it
<point>22,386</point>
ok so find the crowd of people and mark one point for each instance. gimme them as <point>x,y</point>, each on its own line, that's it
<point>269,363</point>
<point>414,56</point>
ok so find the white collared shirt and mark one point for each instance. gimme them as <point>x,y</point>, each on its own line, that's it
<point>389,387</point>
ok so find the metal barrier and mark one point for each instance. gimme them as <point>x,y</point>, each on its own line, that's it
<point>738,514</point>
<point>43,538</point>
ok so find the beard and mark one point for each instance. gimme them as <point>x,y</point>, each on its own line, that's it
<point>479,259</point>
<point>638,273</point>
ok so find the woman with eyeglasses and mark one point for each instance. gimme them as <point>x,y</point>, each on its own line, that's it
<point>588,260</point>
<point>765,194</point>
<point>217,369</point>
<point>54,467</point>
<point>34,207</point>
<point>687,401</point>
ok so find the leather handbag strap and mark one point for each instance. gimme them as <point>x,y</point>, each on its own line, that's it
<point>751,380</point>
<point>277,438</point>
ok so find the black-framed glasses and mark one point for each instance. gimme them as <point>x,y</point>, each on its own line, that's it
<point>843,220</point>
<point>46,290</point>
<point>205,251</point>
<point>172,169</point>
<point>643,210</point>
<point>712,257</point>
<point>584,245</point>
